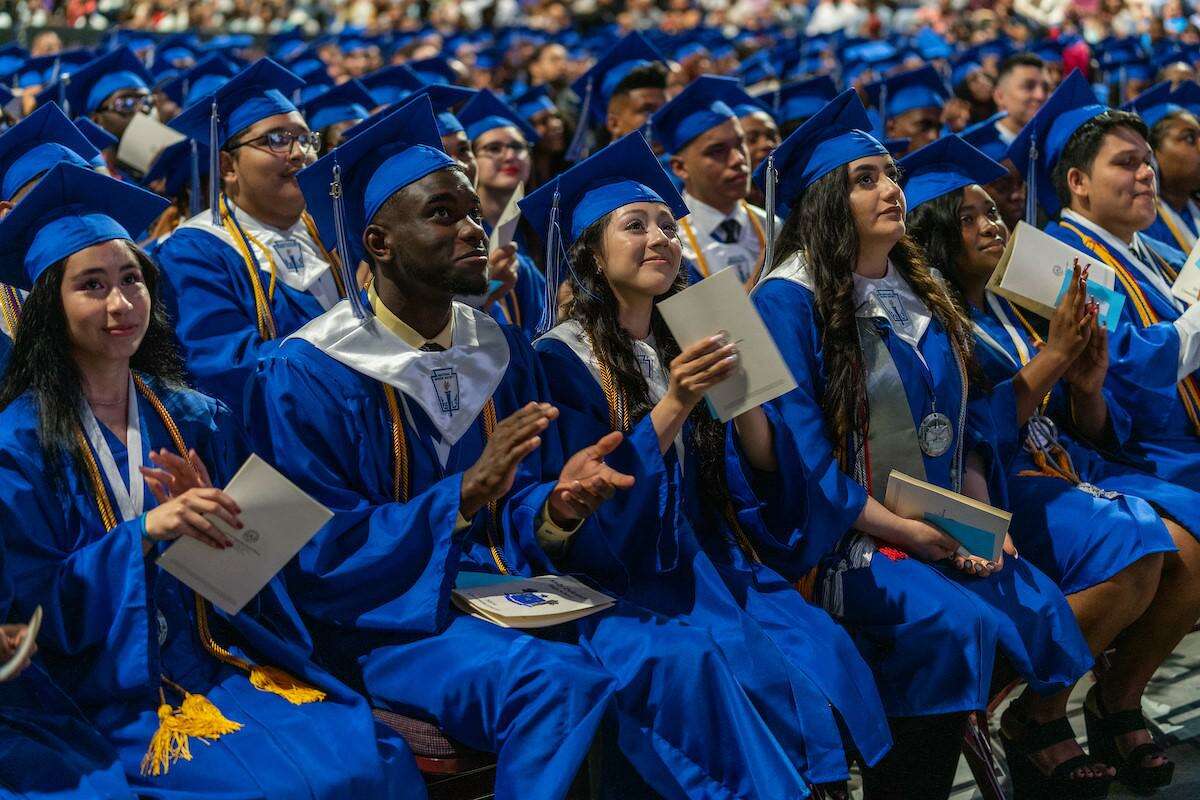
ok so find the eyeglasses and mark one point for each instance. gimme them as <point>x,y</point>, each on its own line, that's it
<point>280,142</point>
<point>496,150</point>
<point>130,104</point>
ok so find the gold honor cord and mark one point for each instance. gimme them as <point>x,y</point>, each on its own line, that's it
<point>1172,227</point>
<point>1189,391</point>
<point>702,262</point>
<point>401,475</point>
<point>196,716</point>
<point>10,307</point>
<point>618,418</point>
<point>330,257</point>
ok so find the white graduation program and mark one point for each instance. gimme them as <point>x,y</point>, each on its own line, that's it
<point>278,519</point>
<point>720,303</point>
<point>1034,264</point>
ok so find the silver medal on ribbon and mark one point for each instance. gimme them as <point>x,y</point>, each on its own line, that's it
<point>935,435</point>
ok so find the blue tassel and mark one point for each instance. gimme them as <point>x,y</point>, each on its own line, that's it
<point>1031,198</point>
<point>195,204</point>
<point>214,166</point>
<point>62,92</point>
<point>554,276</point>
<point>348,263</point>
<point>576,150</point>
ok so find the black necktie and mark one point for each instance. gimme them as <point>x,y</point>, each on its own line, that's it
<point>728,232</point>
<point>432,347</point>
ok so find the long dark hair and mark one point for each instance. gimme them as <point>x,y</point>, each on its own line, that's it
<point>594,306</point>
<point>42,363</point>
<point>821,227</point>
<point>936,228</point>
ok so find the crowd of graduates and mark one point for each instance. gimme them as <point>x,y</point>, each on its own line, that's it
<point>324,271</point>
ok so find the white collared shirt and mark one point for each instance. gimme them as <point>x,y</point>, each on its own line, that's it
<point>742,255</point>
<point>1006,136</point>
<point>1187,324</point>
<point>907,314</point>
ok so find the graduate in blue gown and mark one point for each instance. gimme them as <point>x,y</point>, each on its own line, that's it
<point>674,543</point>
<point>251,269</point>
<point>1101,201</point>
<point>40,726</point>
<point>1174,131</point>
<point>195,702</point>
<point>849,290</point>
<point>501,141</point>
<point>1103,530</point>
<point>425,426</point>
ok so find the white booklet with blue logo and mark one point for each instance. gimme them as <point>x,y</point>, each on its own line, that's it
<point>526,602</point>
<point>978,527</point>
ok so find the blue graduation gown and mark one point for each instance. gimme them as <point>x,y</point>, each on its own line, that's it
<point>40,726</point>
<point>1077,537</point>
<point>114,623</point>
<point>209,294</point>
<point>377,580</point>
<point>1161,231</point>
<point>1143,366</point>
<point>928,631</point>
<point>659,547</point>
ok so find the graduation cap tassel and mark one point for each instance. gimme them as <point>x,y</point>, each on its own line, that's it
<point>346,262</point>
<point>214,166</point>
<point>1031,200</point>
<point>575,151</point>
<point>769,199</point>
<point>62,92</point>
<point>883,94</point>
<point>554,276</point>
<point>195,204</point>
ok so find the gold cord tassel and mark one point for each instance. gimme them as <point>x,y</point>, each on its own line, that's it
<point>196,717</point>
<point>276,681</point>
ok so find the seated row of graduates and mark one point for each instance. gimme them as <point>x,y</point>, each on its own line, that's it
<point>444,442</point>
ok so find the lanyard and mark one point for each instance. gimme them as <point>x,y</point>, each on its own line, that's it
<point>131,500</point>
<point>1013,334</point>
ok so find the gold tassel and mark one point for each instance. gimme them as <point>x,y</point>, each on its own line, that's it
<point>807,585</point>
<point>276,681</point>
<point>195,717</point>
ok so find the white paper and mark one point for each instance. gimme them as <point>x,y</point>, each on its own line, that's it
<point>1187,285</point>
<point>1034,264</point>
<point>506,226</point>
<point>720,303</point>
<point>9,668</point>
<point>278,518</point>
<point>530,602</point>
<point>143,140</point>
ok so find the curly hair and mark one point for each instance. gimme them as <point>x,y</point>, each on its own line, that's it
<point>594,306</point>
<point>821,227</point>
<point>42,363</point>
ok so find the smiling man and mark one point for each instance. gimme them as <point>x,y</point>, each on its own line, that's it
<point>1021,88</point>
<point>1095,176</point>
<point>701,131</point>
<point>250,270</point>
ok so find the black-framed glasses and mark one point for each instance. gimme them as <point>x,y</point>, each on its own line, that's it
<point>130,104</point>
<point>495,150</point>
<point>280,142</point>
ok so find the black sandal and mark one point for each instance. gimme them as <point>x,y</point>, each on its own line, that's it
<point>1028,780</point>
<point>1103,728</point>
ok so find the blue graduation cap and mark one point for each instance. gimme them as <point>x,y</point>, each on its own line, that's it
<point>1049,51</point>
<point>283,45</point>
<point>177,51</point>
<point>835,135</point>
<point>1038,146</point>
<point>944,166</point>
<point>82,91</point>
<point>799,100</point>
<point>257,92</point>
<point>44,70</point>
<point>931,44</point>
<point>178,165</point>
<point>231,43</point>
<point>392,84</point>
<point>12,58</point>
<point>984,137</point>
<point>348,101</point>
<point>908,91</point>
<point>204,78</point>
<point>97,136</point>
<point>624,172</point>
<point>442,97</point>
<point>433,70</point>
<point>1187,94</point>
<point>1153,104</point>
<point>38,142</point>
<point>757,68</point>
<point>704,104</point>
<point>347,187</point>
<point>962,70</point>
<point>70,209</point>
<point>485,111</point>
<point>597,86</point>
<point>533,102</point>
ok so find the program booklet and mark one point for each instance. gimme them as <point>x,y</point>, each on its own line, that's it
<point>978,527</point>
<point>143,140</point>
<point>278,518</point>
<point>526,602</point>
<point>1035,264</point>
<point>720,303</point>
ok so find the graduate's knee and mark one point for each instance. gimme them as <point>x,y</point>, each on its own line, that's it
<point>1137,585</point>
